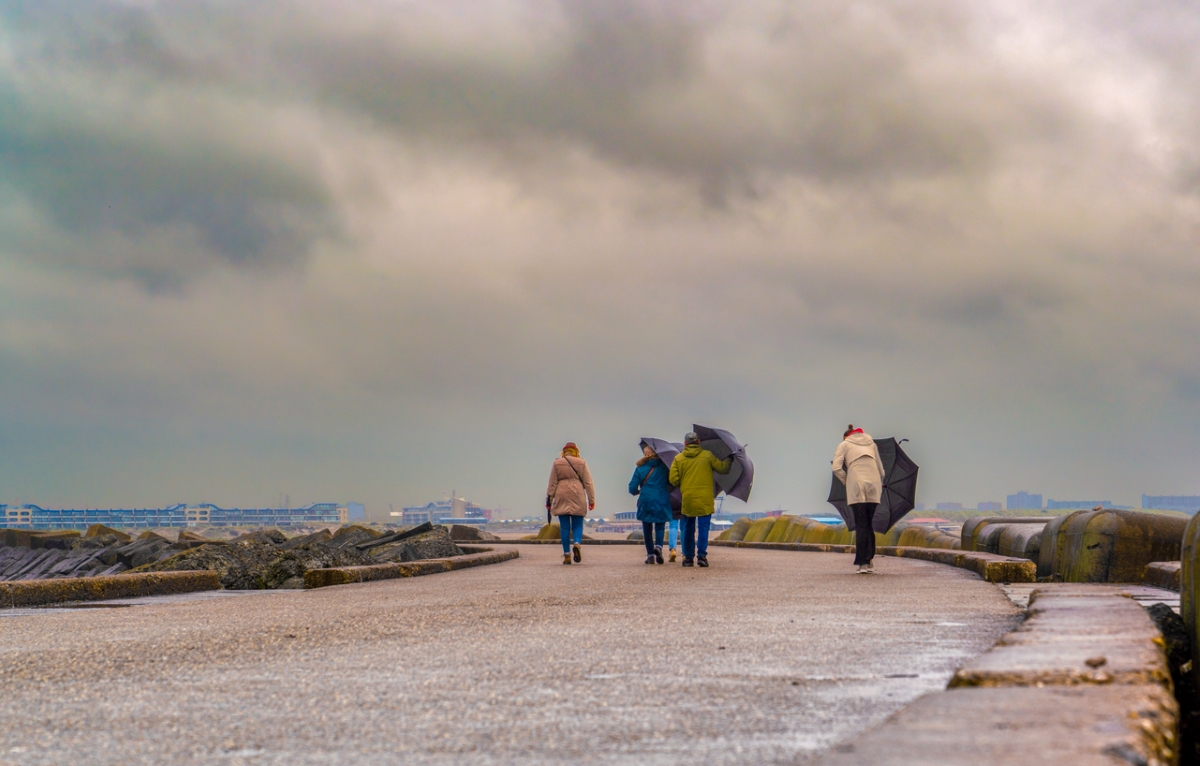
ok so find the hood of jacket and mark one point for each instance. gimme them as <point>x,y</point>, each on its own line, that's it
<point>862,440</point>
<point>692,450</point>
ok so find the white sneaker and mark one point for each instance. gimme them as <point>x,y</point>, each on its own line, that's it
<point>862,569</point>
<point>870,568</point>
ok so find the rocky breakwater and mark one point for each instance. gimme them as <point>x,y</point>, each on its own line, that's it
<point>262,559</point>
<point>268,559</point>
<point>35,555</point>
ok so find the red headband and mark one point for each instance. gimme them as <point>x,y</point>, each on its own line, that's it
<point>857,431</point>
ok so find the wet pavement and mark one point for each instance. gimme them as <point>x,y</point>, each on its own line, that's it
<point>766,657</point>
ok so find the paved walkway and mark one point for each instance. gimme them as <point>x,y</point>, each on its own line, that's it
<point>767,657</point>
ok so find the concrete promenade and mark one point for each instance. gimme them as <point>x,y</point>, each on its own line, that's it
<point>767,657</point>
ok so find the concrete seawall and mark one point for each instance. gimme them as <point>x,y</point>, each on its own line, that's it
<point>63,590</point>
<point>321,578</point>
<point>989,566</point>
<point>1083,681</point>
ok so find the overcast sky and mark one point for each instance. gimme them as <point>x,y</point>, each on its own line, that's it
<point>379,250</point>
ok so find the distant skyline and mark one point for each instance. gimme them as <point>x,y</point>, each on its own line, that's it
<point>371,250</point>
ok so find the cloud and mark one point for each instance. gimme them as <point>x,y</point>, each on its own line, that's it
<point>385,248</point>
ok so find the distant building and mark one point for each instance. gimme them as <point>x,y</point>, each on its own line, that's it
<point>453,511</point>
<point>180,515</point>
<point>1024,501</point>
<point>357,511</point>
<point>1067,505</point>
<point>919,507</point>
<point>988,507</point>
<point>949,506</point>
<point>1185,503</point>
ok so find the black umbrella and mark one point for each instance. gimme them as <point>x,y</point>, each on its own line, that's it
<point>899,488</point>
<point>738,481</point>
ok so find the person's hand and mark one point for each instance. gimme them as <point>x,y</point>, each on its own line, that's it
<point>591,506</point>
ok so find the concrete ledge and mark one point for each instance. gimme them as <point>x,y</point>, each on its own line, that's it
<point>43,592</point>
<point>558,541</point>
<point>1163,574</point>
<point>1096,726</point>
<point>321,578</point>
<point>989,566</point>
<point>1074,635</point>
<point>808,547</point>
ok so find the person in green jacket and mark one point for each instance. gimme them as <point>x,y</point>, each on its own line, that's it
<point>692,471</point>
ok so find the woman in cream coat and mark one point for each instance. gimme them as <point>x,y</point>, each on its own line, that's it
<point>856,463</point>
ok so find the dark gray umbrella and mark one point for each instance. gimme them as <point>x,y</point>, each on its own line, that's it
<point>665,450</point>
<point>899,488</point>
<point>738,481</point>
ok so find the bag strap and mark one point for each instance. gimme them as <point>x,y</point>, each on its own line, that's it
<point>652,470</point>
<point>574,470</point>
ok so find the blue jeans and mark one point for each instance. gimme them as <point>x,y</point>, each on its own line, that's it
<point>652,531</point>
<point>673,534</point>
<point>691,526</point>
<point>570,527</point>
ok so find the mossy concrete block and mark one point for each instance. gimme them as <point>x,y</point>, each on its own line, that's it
<point>1020,541</point>
<point>67,589</point>
<point>976,525</point>
<point>321,578</point>
<point>778,529</point>
<point>759,530</point>
<point>892,536</point>
<point>1115,546</point>
<point>1189,587</point>
<point>739,529</point>
<point>1051,544</point>
<point>915,536</point>
<point>547,532</point>
<point>1074,636</point>
<point>1094,726</point>
<point>1163,574</point>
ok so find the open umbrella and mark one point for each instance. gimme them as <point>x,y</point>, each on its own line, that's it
<point>738,481</point>
<point>899,488</point>
<point>665,450</point>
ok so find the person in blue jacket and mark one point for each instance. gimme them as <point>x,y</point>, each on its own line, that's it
<point>653,488</point>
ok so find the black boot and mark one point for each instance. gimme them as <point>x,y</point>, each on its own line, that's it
<point>688,563</point>
<point>658,554</point>
<point>702,561</point>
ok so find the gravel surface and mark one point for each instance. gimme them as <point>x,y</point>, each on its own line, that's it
<point>766,657</point>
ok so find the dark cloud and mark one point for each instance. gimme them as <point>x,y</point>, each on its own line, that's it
<point>426,240</point>
<point>102,148</point>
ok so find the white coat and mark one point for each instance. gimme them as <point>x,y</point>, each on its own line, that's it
<point>856,462</point>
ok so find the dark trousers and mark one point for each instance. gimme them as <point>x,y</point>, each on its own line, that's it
<point>864,532</point>
<point>695,536</point>
<point>652,532</point>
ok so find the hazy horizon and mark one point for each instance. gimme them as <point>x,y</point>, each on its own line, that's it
<point>378,250</point>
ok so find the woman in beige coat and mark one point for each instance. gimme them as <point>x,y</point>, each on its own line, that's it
<point>856,463</point>
<point>569,496</point>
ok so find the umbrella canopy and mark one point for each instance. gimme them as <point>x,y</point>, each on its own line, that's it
<point>665,450</point>
<point>899,488</point>
<point>738,481</point>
